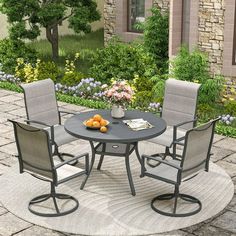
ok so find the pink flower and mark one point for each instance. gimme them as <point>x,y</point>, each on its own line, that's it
<point>120,92</point>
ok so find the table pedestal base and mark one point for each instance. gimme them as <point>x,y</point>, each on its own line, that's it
<point>114,149</point>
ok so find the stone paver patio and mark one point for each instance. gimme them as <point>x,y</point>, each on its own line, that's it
<point>12,107</point>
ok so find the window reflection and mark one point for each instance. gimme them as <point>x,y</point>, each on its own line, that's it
<point>136,14</point>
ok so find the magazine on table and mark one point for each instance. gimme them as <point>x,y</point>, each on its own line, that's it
<point>138,124</point>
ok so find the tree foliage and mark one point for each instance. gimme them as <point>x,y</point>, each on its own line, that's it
<point>27,16</point>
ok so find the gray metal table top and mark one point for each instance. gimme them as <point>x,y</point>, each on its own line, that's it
<point>118,131</point>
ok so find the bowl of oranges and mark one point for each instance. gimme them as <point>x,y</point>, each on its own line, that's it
<point>97,122</point>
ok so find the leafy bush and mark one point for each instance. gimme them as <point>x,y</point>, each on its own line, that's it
<point>194,67</point>
<point>11,50</point>
<point>229,91</point>
<point>143,95</point>
<point>72,78</point>
<point>122,61</point>
<point>206,112</point>
<point>142,99</point>
<point>156,37</point>
<point>210,90</point>
<point>28,72</point>
<point>230,108</point>
<point>190,66</point>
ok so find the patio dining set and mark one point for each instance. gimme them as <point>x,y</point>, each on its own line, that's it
<point>40,137</point>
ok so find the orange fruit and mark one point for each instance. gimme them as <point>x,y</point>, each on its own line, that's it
<point>96,124</point>
<point>103,129</point>
<point>103,122</point>
<point>89,123</point>
<point>97,117</point>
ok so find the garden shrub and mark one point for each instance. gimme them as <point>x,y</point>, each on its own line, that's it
<point>10,50</point>
<point>142,87</point>
<point>156,37</point>
<point>205,112</point>
<point>230,108</point>
<point>142,99</point>
<point>122,61</point>
<point>72,78</point>
<point>194,67</point>
<point>28,72</point>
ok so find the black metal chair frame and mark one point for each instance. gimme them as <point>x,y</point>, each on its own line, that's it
<point>54,182</point>
<point>177,183</point>
<point>175,142</point>
<point>56,150</point>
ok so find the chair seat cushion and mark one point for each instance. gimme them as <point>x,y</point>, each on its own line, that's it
<point>61,136</point>
<point>67,171</point>
<point>164,171</point>
<point>166,139</point>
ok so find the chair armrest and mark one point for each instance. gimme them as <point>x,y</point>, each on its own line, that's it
<point>161,160</point>
<point>44,124</point>
<point>38,122</point>
<point>180,124</point>
<point>85,155</point>
<point>64,112</point>
<point>67,112</point>
<point>185,122</point>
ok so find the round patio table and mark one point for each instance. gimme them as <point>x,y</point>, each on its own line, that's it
<point>119,140</point>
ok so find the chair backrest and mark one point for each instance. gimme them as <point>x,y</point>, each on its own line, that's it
<point>34,150</point>
<point>40,101</point>
<point>196,153</point>
<point>180,101</point>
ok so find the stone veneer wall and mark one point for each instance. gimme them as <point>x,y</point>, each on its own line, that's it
<point>211,35</point>
<point>109,19</point>
<point>163,4</point>
<point>211,31</point>
<point>110,16</point>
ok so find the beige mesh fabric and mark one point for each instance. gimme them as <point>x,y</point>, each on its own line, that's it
<point>197,147</point>
<point>166,139</point>
<point>60,135</point>
<point>180,102</point>
<point>33,148</point>
<point>40,101</point>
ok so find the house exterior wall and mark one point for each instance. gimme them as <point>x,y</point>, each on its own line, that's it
<point>212,29</point>
<point>216,29</point>
<point>63,29</point>
<point>211,32</point>
<point>115,18</point>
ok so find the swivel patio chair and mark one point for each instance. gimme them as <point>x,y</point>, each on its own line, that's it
<point>195,158</point>
<point>35,157</point>
<point>179,112</point>
<point>42,111</point>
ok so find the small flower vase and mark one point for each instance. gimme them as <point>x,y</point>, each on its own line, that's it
<point>117,111</point>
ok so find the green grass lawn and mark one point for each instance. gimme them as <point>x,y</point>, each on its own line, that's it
<point>68,46</point>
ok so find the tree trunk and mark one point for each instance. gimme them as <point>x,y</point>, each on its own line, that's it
<point>52,36</point>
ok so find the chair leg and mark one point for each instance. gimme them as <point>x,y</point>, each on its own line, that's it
<point>61,154</point>
<point>90,169</point>
<point>54,196</point>
<point>174,151</point>
<point>176,195</point>
<point>153,163</point>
